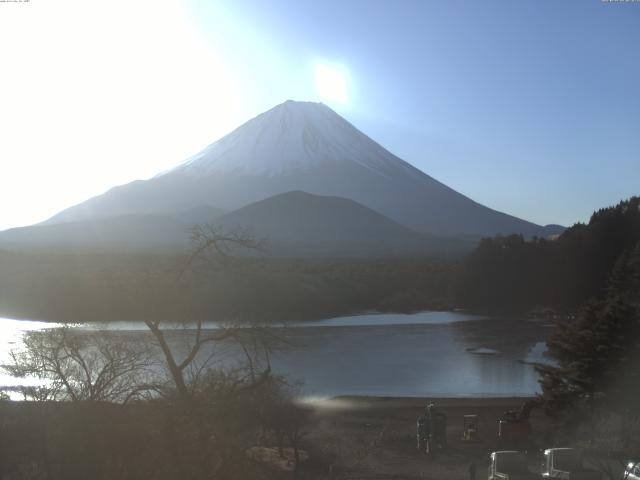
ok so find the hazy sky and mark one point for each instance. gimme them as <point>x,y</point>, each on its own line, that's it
<point>529,107</point>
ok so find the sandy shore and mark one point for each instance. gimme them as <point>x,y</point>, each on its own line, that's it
<point>375,437</point>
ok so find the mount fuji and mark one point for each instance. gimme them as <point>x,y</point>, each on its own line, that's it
<point>307,147</point>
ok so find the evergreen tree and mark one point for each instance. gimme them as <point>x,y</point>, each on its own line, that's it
<point>513,273</point>
<point>598,363</point>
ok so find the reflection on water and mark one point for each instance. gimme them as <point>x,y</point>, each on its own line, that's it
<point>539,354</point>
<point>414,360</point>
<point>362,320</point>
<point>386,319</point>
<point>11,332</point>
<point>424,354</point>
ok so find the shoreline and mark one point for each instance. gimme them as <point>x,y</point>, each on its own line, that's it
<point>363,436</point>
<point>409,402</point>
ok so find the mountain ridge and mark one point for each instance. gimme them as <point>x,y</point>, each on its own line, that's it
<point>304,146</point>
<point>315,223</point>
<point>294,224</point>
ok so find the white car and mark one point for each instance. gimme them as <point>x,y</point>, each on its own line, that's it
<point>632,472</point>
<point>566,464</point>
<point>510,465</point>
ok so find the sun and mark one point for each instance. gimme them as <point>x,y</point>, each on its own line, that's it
<point>331,82</point>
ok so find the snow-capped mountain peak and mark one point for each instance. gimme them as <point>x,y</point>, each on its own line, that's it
<point>307,147</point>
<point>290,137</point>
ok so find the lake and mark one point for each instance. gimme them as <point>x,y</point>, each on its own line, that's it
<point>423,354</point>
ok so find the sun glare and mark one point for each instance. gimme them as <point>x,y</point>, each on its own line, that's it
<point>331,83</point>
<point>105,88</point>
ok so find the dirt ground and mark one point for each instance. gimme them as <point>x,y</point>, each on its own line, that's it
<point>375,438</point>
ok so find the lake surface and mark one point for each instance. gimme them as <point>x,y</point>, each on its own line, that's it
<point>422,354</point>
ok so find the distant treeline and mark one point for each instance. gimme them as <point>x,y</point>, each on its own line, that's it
<point>87,287</point>
<point>504,273</point>
<point>512,273</point>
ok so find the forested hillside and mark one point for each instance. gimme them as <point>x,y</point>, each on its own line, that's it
<point>102,287</point>
<point>511,273</point>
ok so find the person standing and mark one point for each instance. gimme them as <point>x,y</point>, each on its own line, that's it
<point>472,471</point>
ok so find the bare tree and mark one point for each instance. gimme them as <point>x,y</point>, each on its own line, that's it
<point>286,418</point>
<point>203,420</point>
<point>82,366</point>
<point>215,249</point>
<point>209,398</point>
<point>213,244</point>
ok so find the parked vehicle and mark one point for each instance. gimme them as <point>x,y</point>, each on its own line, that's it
<point>514,429</point>
<point>510,465</point>
<point>632,471</point>
<point>470,428</point>
<point>421,433</point>
<point>431,429</point>
<point>513,432</point>
<point>566,463</point>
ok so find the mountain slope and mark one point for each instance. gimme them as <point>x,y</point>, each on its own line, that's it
<point>323,224</point>
<point>303,146</point>
<point>292,223</point>
<point>122,233</point>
